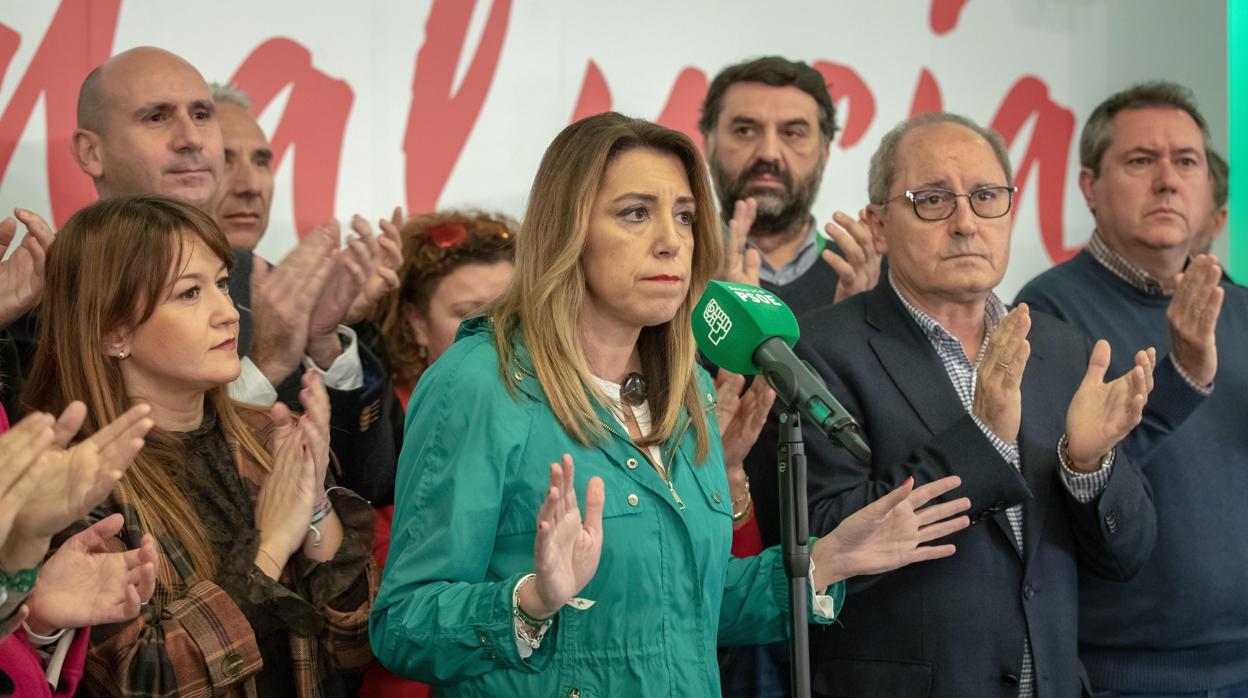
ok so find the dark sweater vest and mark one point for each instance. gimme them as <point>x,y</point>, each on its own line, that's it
<point>1182,623</point>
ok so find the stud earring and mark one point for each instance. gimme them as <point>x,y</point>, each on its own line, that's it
<point>121,354</point>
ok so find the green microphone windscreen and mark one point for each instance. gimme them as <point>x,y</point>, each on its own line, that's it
<point>731,320</point>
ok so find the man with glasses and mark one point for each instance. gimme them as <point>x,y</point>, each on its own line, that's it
<point>1179,627</point>
<point>945,380</point>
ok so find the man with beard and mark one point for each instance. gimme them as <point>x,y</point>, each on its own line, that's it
<point>768,126</point>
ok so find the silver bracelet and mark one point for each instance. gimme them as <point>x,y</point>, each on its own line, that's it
<point>528,632</point>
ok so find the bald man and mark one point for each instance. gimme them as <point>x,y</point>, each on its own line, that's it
<point>147,124</point>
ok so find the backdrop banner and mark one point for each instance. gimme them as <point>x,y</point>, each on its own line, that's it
<point>450,103</point>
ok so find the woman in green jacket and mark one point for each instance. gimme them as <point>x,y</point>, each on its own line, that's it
<point>496,585</point>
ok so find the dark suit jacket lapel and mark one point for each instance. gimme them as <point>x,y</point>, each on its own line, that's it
<point>911,362</point>
<point>1038,459</point>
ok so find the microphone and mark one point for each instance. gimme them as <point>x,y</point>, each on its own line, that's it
<point>748,330</point>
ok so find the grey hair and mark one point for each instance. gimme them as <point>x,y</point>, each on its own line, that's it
<point>1098,131</point>
<point>883,170</point>
<point>230,94</point>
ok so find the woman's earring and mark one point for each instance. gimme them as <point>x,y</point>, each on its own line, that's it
<point>423,352</point>
<point>121,354</point>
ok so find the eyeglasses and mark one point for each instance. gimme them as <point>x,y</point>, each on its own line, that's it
<point>939,204</point>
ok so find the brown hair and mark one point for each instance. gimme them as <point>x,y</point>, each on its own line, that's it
<point>1098,132</point>
<point>775,71</point>
<point>547,292</point>
<point>434,246</point>
<point>108,269</point>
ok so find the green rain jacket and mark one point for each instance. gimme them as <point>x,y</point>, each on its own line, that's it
<point>473,472</point>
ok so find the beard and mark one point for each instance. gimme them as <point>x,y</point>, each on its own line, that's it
<point>778,209</point>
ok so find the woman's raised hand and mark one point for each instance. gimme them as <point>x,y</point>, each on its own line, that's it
<point>284,504</point>
<point>567,548</point>
<point>80,585</point>
<point>890,532</point>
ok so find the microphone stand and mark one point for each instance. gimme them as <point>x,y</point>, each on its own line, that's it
<point>795,545</point>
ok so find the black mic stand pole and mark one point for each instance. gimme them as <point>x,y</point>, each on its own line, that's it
<point>795,545</point>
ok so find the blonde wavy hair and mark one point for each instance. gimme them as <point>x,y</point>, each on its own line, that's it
<point>544,301</point>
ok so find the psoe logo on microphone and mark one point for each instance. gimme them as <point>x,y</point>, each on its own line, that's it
<point>756,295</point>
<point>717,321</point>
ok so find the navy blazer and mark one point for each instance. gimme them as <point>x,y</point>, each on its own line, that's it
<point>955,627</point>
<point>364,432</point>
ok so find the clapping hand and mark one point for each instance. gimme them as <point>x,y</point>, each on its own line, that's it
<point>567,548</point>
<point>313,423</point>
<point>741,416</point>
<point>284,505</point>
<point>74,479</point>
<point>858,266</point>
<point>1101,413</point>
<point>353,266</point>
<point>80,585</point>
<point>386,278</point>
<point>741,265</point>
<point>20,448</point>
<point>1193,315</point>
<point>890,532</point>
<point>282,299</point>
<point>998,401</point>
<point>21,275</point>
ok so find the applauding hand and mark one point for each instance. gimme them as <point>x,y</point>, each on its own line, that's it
<point>21,275</point>
<point>80,585</point>
<point>741,265</point>
<point>858,266</point>
<point>282,299</point>
<point>998,401</point>
<point>1193,315</point>
<point>741,416</point>
<point>386,277</point>
<point>72,480</point>
<point>1101,413</point>
<point>20,448</point>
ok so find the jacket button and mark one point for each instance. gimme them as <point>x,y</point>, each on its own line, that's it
<point>717,498</point>
<point>484,640</point>
<point>710,397</point>
<point>232,664</point>
<point>1028,591</point>
<point>632,500</point>
<point>631,463</point>
<point>518,376</point>
<point>1009,679</point>
<point>574,693</point>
